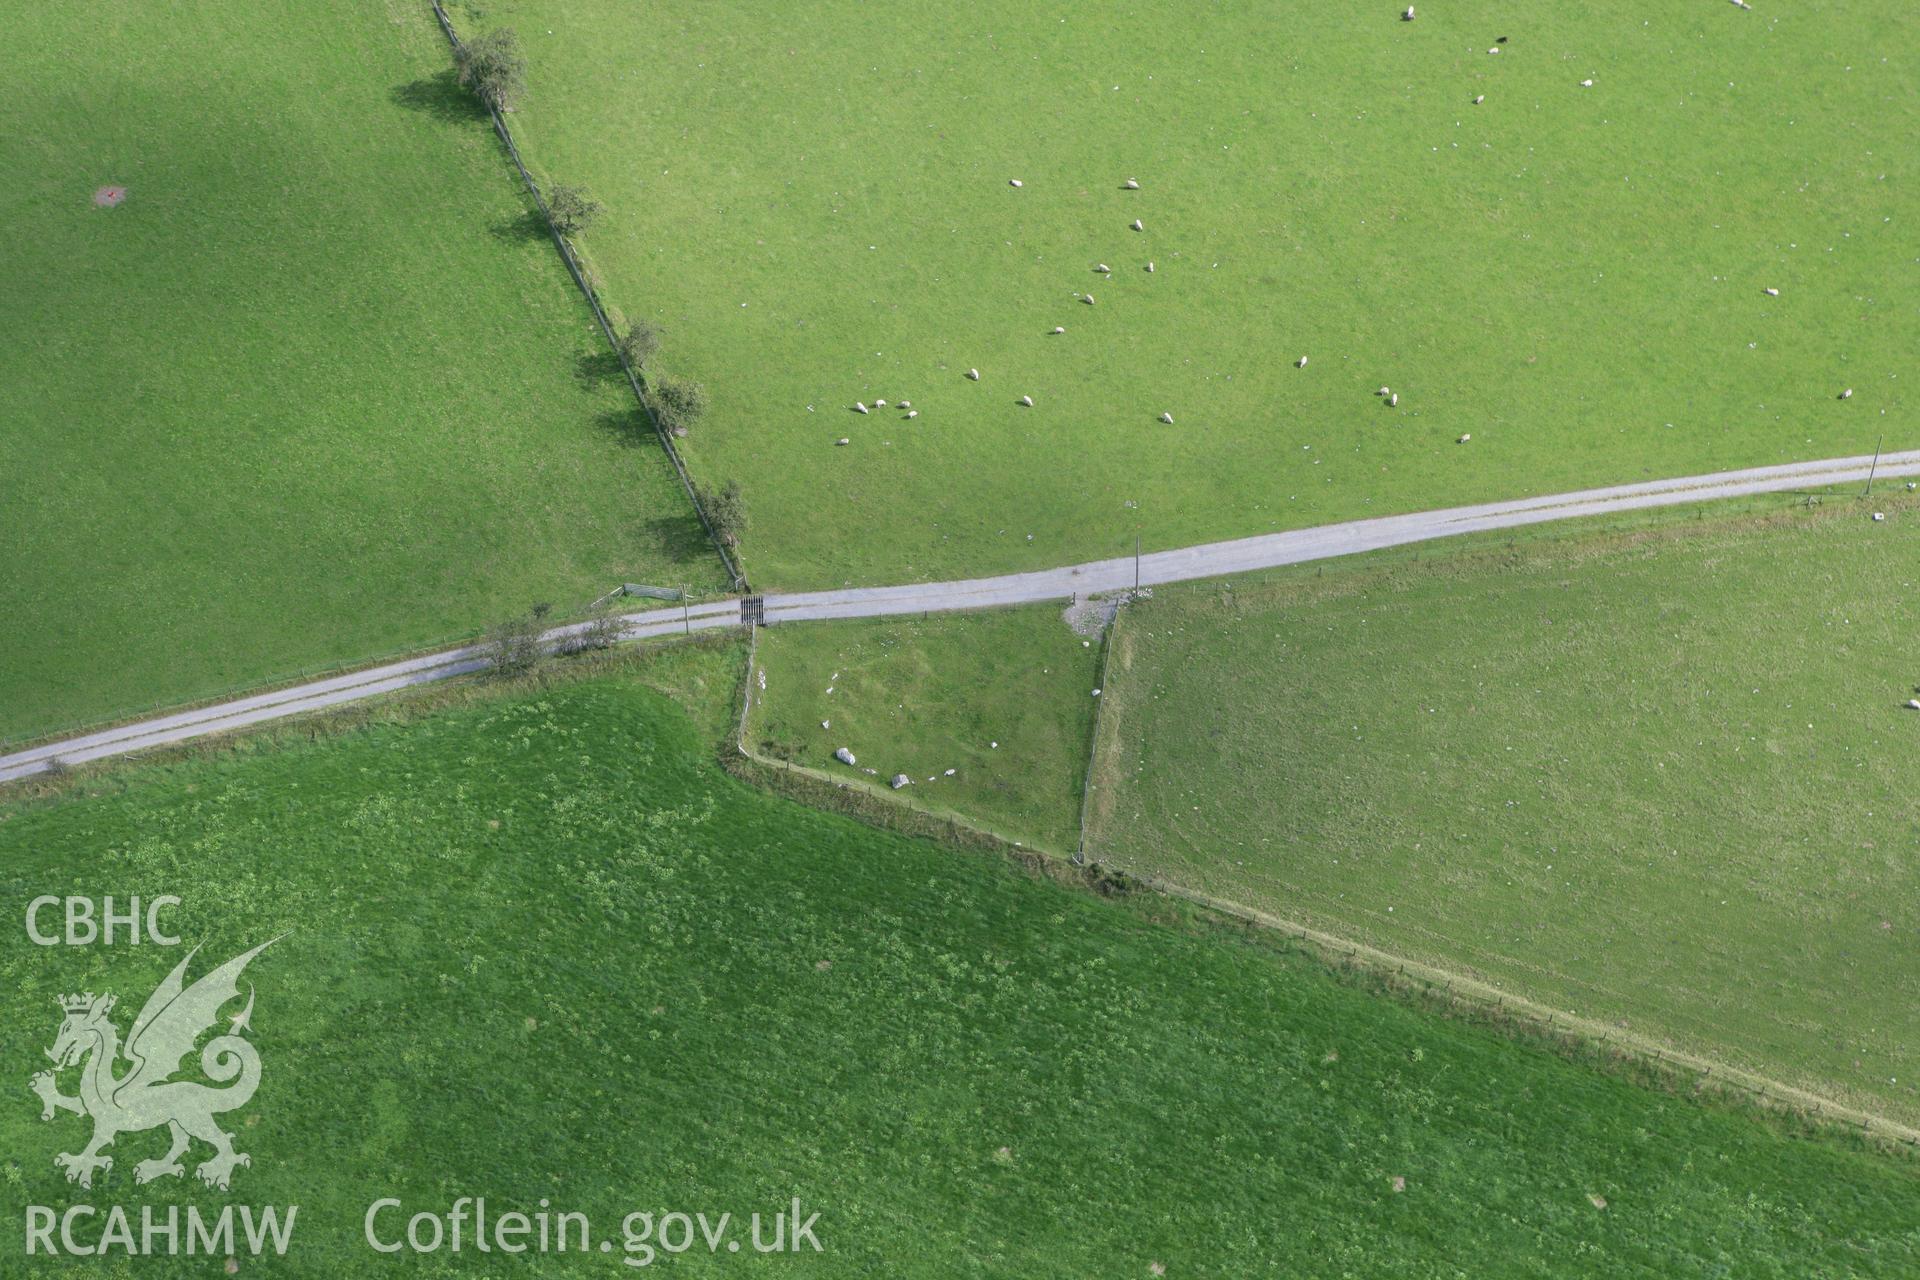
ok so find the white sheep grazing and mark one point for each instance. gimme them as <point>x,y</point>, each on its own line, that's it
<point>1301,363</point>
<point>906,404</point>
<point>1847,394</point>
<point>1059,328</point>
<point>974,374</point>
<point>879,404</point>
<point>1149,268</point>
<point>1027,401</point>
<point>1131,185</point>
<point>843,440</point>
<point>1138,225</point>
<point>1586,84</point>
<point>1383,391</point>
<point>859,407</point>
<point>1408,15</point>
<point>1479,98</point>
<point>1103,268</point>
<point>1393,401</point>
<point>1014,182</point>
<point>1771,293</point>
<point>913,413</point>
<point>1088,299</point>
<point>1167,418</point>
<point>1463,439</point>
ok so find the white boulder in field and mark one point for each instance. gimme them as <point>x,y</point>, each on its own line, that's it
<point>844,756</point>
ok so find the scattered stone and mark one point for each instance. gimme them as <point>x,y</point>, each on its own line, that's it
<point>826,724</point>
<point>844,756</point>
<point>951,772</point>
<point>1599,1202</point>
<point>900,780</point>
<point>1399,1184</point>
<point>994,745</point>
<point>1879,515</point>
<point>109,197</point>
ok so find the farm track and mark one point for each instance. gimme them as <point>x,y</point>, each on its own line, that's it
<point>1208,560</point>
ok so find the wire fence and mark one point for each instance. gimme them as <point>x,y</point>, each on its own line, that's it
<point>587,290</point>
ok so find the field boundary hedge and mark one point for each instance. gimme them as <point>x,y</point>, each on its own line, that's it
<point>592,295</point>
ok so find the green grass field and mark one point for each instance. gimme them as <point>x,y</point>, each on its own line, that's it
<point>1005,699</point>
<point>813,203</point>
<point>1659,779</point>
<point>318,389</point>
<point>542,947</point>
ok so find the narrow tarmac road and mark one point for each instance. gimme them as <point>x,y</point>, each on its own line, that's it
<point>1209,560</point>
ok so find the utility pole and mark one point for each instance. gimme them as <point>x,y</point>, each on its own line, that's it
<point>686,615</point>
<point>1136,564</point>
<point>1876,462</point>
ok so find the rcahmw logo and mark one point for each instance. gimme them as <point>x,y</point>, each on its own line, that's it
<point>131,1087</point>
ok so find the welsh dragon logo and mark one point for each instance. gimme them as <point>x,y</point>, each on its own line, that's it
<point>145,1096</point>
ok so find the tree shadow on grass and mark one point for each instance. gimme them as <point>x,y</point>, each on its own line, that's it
<point>522,228</point>
<point>628,427</point>
<point>596,367</point>
<point>441,96</point>
<point>681,535</point>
